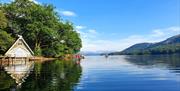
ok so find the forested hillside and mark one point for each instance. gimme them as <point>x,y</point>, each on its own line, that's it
<point>168,46</point>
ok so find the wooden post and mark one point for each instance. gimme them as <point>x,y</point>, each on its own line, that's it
<point>8,61</point>
<point>21,61</point>
<point>25,60</point>
<point>1,63</point>
<point>12,62</point>
<point>12,59</point>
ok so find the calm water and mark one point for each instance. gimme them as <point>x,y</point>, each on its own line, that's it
<point>96,73</point>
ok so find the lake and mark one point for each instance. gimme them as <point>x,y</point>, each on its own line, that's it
<point>95,73</point>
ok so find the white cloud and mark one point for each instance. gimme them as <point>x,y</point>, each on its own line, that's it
<point>93,42</point>
<point>35,1</point>
<point>80,27</point>
<point>94,45</point>
<point>174,29</point>
<point>86,32</point>
<point>158,33</point>
<point>92,31</point>
<point>165,31</point>
<point>66,13</point>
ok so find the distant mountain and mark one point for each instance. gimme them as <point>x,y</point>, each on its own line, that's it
<point>171,40</point>
<point>168,46</point>
<point>137,47</point>
<point>96,53</point>
<point>90,53</point>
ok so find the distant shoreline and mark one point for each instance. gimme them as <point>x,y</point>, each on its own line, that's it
<point>148,54</point>
<point>133,54</point>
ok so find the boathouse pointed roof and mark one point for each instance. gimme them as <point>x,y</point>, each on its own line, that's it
<point>26,46</point>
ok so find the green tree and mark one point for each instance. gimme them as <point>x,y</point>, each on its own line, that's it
<point>3,20</point>
<point>42,28</point>
<point>5,41</point>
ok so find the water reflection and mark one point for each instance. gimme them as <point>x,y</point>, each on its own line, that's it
<point>171,62</point>
<point>115,73</point>
<point>54,75</point>
<point>19,70</point>
<point>130,73</point>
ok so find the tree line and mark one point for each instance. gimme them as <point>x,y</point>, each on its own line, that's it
<point>40,25</point>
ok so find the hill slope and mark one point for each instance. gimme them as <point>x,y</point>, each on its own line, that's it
<point>168,46</point>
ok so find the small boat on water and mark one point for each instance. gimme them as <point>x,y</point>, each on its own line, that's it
<point>82,57</point>
<point>106,55</point>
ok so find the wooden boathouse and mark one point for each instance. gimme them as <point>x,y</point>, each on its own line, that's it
<point>19,49</point>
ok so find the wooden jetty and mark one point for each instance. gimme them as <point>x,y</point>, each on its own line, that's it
<point>11,60</point>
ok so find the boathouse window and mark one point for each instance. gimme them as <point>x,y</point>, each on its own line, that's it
<point>19,43</point>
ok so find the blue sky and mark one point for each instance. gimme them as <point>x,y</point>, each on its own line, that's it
<point>113,25</point>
